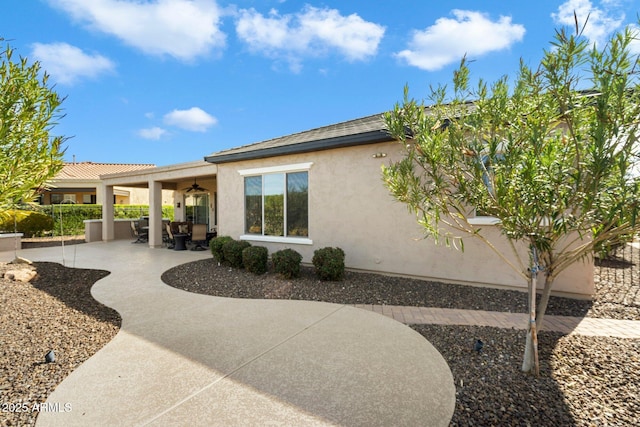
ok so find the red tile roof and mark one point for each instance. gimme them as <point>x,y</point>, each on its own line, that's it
<point>90,170</point>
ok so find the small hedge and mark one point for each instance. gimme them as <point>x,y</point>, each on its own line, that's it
<point>30,223</point>
<point>287,263</point>
<point>232,252</point>
<point>329,263</point>
<point>216,245</point>
<point>254,259</point>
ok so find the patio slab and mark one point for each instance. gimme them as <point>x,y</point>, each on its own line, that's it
<point>182,358</point>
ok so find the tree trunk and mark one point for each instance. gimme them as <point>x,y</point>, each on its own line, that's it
<point>544,299</point>
<point>530,361</point>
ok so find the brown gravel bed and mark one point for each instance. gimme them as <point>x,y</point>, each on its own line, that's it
<point>585,381</point>
<point>55,311</point>
<point>206,277</point>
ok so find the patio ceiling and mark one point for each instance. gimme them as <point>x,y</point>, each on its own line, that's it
<point>170,176</point>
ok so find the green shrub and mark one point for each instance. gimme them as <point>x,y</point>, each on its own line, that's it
<point>287,263</point>
<point>216,245</point>
<point>254,259</point>
<point>30,223</point>
<point>329,263</point>
<point>36,224</point>
<point>232,252</point>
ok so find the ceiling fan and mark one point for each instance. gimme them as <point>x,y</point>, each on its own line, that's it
<point>194,187</point>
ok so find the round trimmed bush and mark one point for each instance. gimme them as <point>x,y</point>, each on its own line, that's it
<point>216,245</point>
<point>232,252</point>
<point>287,263</point>
<point>329,263</point>
<point>254,259</point>
<point>30,223</point>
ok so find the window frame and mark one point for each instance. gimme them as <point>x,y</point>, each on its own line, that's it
<point>270,170</point>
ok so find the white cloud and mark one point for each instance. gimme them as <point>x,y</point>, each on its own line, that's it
<point>154,133</point>
<point>600,23</point>
<point>468,33</point>
<point>193,119</point>
<point>312,32</point>
<point>183,29</point>
<point>634,47</point>
<point>67,64</point>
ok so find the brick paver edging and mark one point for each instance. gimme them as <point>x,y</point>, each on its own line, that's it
<point>564,324</point>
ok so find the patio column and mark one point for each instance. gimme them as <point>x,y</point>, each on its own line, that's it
<point>108,227</point>
<point>99,194</point>
<point>155,214</point>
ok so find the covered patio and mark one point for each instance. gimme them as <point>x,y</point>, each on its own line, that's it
<point>179,178</point>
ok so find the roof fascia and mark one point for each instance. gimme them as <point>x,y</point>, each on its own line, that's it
<point>371,137</point>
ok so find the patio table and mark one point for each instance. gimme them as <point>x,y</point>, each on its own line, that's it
<point>180,242</point>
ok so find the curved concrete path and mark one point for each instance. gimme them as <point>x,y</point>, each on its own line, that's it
<point>182,358</point>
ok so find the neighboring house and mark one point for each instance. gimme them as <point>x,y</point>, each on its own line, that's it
<point>79,183</point>
<point>323,187</point>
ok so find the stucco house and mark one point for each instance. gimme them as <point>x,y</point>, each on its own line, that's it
<point>323,187</point>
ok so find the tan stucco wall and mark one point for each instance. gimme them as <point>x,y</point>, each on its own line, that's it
<point>140,196</point>
<point>349,207</point>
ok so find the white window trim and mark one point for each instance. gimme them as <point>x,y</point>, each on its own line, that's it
<point>277,239</point>
<point>276,169</point>
<point>484,220</point>
<point>296,167</point>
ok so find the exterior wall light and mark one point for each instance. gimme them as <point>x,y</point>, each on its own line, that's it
<point>379,155</point>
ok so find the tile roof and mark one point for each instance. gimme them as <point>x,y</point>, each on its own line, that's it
<point>365,130</point>
<point>90,170</point>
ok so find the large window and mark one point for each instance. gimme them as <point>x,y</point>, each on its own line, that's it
<point>197,208</point>
<point>58,198</point>
<point>277,204</point>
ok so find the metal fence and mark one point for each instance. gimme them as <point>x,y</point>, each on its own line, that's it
<point>617,275</point>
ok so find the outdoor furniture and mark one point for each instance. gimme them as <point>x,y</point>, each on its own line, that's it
<point>140,233</point>
<point>170,240</point>
<point>183,227</point>
<point>198,236</point>
<point>180,242</point>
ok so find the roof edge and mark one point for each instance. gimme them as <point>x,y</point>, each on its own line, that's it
<point>365,138</point>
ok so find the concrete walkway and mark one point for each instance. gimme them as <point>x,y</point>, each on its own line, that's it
<point>187,359</point>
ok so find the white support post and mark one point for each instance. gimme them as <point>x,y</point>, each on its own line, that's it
<point>155,214</point>
<point>108,226</point>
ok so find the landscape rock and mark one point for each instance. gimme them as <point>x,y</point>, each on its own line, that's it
<point>23,275</point>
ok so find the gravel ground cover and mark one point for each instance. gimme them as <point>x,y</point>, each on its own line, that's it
<point>54,311</point>
<point>585,381</point>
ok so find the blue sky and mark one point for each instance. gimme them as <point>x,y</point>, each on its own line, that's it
<point>170,81</point>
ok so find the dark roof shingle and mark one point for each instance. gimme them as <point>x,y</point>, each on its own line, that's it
<point>365,130</point>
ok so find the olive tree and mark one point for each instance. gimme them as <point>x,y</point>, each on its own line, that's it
<point>29,155</point>
<point>549,154</point>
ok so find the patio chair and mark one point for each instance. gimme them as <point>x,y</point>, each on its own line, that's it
<point>170,239</point>
<point>181,227</point>
<point>143,229</point>
<point>198,236</point>
<point>141,237</point>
